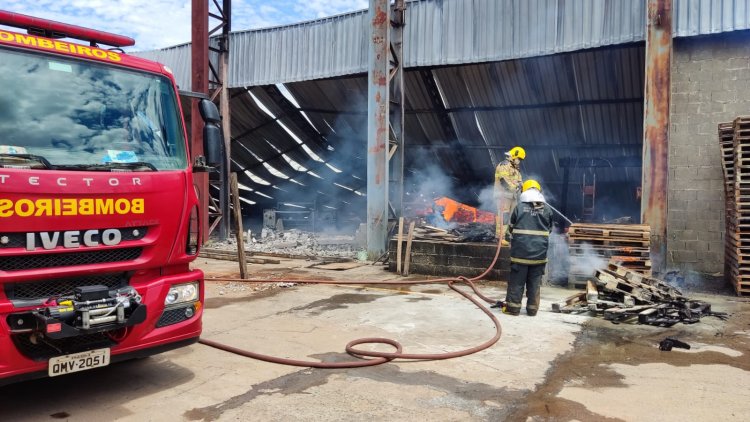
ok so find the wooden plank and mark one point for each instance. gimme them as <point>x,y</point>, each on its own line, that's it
<point>399,240</point>
<point>436,229</point>
<point>238,225</point>
<point>576,302</point>
<point>231,256</point>
<point>409,239</point>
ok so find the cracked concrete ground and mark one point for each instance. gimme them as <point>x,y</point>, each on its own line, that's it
<point>551,367</point>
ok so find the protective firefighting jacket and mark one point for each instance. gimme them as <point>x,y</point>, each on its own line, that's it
<point>507,179</point>
<point>530,225</point>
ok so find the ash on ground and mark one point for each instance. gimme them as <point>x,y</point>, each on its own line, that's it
<point>296,242</point>
<point>249,286</point>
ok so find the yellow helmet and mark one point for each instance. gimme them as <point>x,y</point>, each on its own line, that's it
<point>529,184</point>
<point>517,152</point>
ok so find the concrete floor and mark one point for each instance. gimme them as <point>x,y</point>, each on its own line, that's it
<point>551,367</point>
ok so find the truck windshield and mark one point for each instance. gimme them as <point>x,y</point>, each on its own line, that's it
<point>75,114</point>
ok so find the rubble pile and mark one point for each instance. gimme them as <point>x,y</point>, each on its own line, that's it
<point>295,243</point>
<point>620,294</point>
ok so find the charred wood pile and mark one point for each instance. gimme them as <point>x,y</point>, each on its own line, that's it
<point>734,140</point>
<point>620,294</point>
<point>468,232</point>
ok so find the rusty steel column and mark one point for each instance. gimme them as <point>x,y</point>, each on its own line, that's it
<point>377,129</point>
<point>225,227</point>
<point>656,128</point>
<point>199,72</point>
<point>396,150</point>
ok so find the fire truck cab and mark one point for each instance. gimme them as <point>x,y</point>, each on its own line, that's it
<point>99,216</point>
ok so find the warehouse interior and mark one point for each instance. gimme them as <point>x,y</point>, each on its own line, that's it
<point>302,144</point>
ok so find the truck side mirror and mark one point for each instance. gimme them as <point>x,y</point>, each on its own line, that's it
<point>213,138</point>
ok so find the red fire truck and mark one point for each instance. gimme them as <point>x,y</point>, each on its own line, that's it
<point>99,216</point>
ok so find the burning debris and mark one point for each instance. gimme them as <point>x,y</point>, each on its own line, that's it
<point>446,213</point>
<point>621,295</point>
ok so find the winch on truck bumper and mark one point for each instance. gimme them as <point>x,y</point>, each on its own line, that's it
<point>88,310</point>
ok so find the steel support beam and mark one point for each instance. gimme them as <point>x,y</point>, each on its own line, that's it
<point>199,70</point>
<point>544,147</point>
<point>441,110</point>
<point>219,89</point>
<point>397,102</point>
<point>609,162</point>
<point>226,121</point>
<point>656,127</point>
<point>377,128</point>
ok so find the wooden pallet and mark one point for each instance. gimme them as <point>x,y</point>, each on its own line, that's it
<point>609,231</point>
<point>646,281</point>
<point>578,281</point>
<point>574,303</point>
<point>607,251</point>
<point>610,241</point>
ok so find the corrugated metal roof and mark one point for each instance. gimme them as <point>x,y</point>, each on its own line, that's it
<point>584,105</point>
<point>447,32</point>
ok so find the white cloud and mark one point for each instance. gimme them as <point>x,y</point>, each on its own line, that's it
<point>323,8</point>
<point>163,23</point>
<point>151,23</point>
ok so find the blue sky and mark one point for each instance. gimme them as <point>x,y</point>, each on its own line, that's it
<point>163,23</point>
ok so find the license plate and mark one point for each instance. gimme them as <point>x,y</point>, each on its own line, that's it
<point>67,364</point>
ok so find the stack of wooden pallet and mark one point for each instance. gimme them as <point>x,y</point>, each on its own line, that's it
<point>736,165</point>
<point>726,143</point>
<point>627,244</point>
<point>620,294</point>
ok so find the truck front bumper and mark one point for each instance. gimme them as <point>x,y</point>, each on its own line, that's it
<point>162,330</point>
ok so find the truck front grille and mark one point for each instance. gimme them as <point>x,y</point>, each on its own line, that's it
<point>45,289</point>
<point>36,347</point>
<point>18,240</point>
<point>33,261</point>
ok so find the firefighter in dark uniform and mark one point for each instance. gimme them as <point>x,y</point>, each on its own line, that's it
<point>530,226</point>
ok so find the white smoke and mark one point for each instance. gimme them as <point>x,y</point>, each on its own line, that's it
<point>585,261</point>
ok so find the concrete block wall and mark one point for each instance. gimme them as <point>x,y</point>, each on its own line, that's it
<point>710,85</point>
<point>447,259</point>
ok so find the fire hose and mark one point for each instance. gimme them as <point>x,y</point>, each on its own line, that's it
<point>369,357</point>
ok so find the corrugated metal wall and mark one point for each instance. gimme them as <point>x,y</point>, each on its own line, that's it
<point>702,17</point>
<point>444,32</point>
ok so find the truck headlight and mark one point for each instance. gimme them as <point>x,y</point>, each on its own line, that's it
<point>181,293</point>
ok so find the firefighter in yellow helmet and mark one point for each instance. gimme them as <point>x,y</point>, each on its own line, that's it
<point>507,186</point>
<point>530,226</point>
